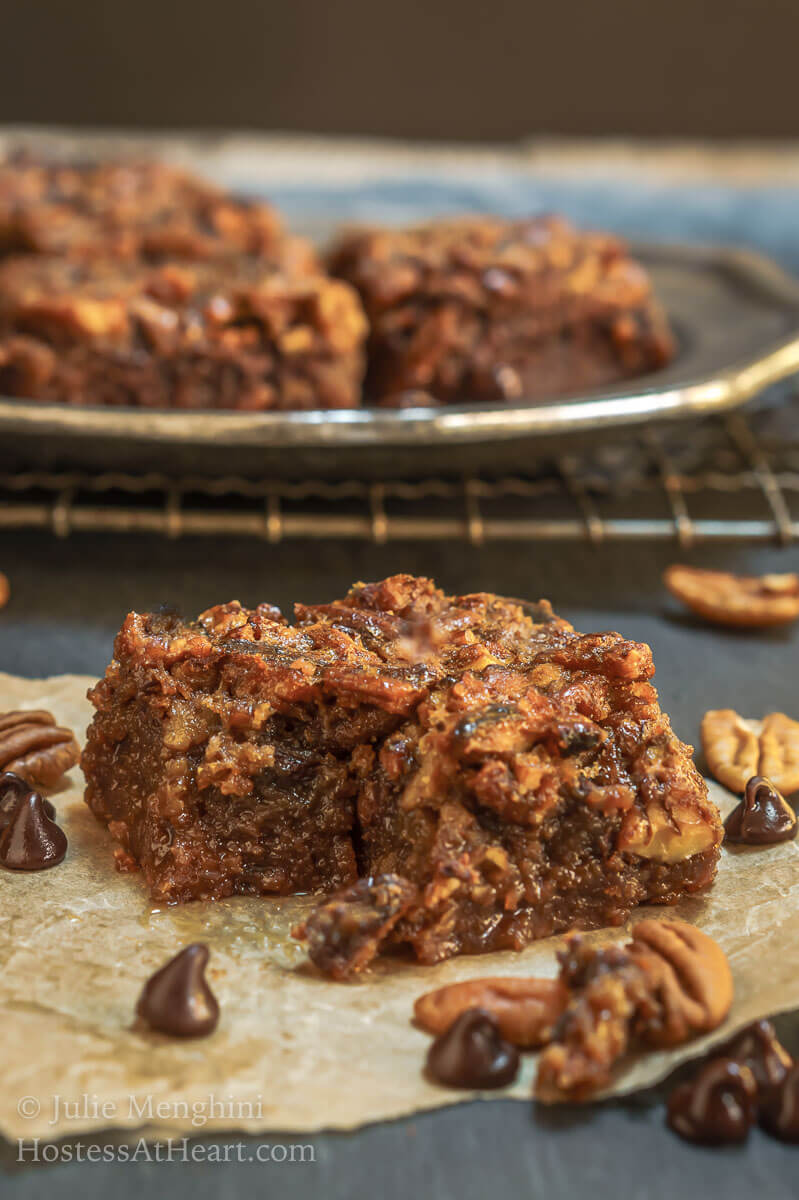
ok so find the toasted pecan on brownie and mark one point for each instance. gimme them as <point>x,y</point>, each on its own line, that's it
<point>520,777</point>
<point>483,308</point>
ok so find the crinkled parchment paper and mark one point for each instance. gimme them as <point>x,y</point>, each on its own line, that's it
<point>78,941</point>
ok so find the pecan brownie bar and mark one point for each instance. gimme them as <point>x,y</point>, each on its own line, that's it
<point>469,772</point>
<point>136,209</point>
<point>487,309</point>
<point>178,335</point>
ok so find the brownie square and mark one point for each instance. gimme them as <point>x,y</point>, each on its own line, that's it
<point>466,773</point>
<point>204,335</point>
<point>487,309</point>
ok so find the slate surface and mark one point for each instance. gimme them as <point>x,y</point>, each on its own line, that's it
<point>70,597</point>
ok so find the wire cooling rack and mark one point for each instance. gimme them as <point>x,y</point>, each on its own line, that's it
<point>733,479</point>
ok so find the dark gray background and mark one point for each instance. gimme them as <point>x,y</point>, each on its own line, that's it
<point>459,69</point>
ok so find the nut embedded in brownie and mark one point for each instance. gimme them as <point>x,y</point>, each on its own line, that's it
<point>135,209</point>
<point>488,309</point>
<point>179,335</point>
<point>496,775</point>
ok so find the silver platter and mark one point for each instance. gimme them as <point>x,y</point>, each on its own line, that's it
<point>736,315</point>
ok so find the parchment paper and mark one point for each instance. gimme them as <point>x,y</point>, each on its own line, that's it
<point>292,1052</point>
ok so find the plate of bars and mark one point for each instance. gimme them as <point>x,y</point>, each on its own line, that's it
<point>736,315</point>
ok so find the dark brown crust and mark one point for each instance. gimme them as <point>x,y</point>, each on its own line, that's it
<point>486,309</point>
<point>236,335</point>
<point>519,776</point>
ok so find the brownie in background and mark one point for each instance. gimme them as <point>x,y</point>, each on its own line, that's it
<point>481,308</point>
<point>203,335</point>
<point>136,210</point>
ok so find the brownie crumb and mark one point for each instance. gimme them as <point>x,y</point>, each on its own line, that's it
<point>345,933</point>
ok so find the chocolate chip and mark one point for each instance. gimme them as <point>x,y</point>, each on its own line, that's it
<point>716,1108</point>
<point>758,1047</point>
<point>762,818</point>
<point>14,789</point>
<point>779,1109</point>
<point>472,1054</point>
<point>177,999</point>
<point>31,840</point>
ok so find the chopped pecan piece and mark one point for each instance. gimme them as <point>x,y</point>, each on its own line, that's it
<point>345,932</point>
<point>607,989</point>
<point>669,984</point>
<point>754,601</point>
<point>525,1010</point>
<point>35,748</point>
<point>738,748</point>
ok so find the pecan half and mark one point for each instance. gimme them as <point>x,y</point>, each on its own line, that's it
<point>5,591</point>
<point>753,601</point>
<point>35,748</point>
<point>689,976</point>
<point>736,748</point>
<point>525,1010</point>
